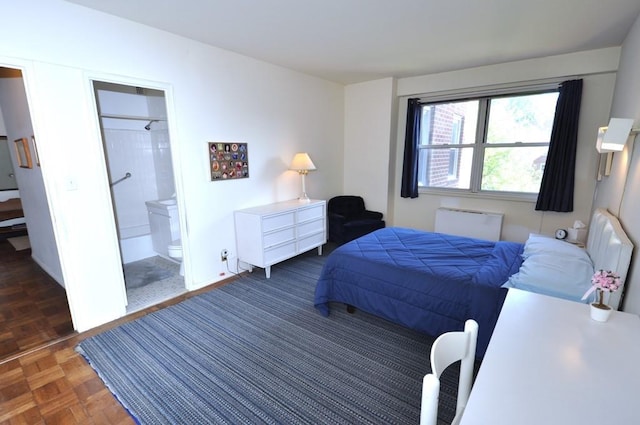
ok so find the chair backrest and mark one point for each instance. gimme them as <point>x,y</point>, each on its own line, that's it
<point>346,205</point>
<point>447,349</point>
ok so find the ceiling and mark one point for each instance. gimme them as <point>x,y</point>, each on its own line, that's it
<point>349,41</point>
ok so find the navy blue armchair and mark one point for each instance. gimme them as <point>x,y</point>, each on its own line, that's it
<point>349,219</point>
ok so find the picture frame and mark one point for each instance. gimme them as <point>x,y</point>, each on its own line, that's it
<point>35,150</point>
<point>23,153</point>
<point>228,160</point>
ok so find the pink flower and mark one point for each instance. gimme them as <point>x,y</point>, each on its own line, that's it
<point>607,281</point>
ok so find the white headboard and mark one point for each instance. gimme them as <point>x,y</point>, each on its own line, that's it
<point>609,248</point>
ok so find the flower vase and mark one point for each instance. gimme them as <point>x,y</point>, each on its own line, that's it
<point>600,312</point>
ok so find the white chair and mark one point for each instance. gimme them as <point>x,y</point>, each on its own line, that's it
<point>447,349</point>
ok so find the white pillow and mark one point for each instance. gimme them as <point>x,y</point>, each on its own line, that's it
<point>540,244</point>
<point>553,267</point>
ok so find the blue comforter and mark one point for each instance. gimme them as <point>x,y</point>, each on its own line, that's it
<point>430,282</point>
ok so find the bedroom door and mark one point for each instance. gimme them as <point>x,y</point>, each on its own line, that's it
<point>31,270</point>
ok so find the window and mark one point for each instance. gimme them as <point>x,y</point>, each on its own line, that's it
<point>490,144</point>
<point>456,139</point>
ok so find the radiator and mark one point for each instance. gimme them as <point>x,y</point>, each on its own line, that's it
<point>473,224</point>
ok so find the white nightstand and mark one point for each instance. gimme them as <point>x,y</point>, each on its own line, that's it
<point>576,243</point>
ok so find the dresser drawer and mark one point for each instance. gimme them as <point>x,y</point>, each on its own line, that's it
<point>278,237</point>
<point>308,242</point>
<point>279,253</point>
<point>278,221</point>
<point>311,227</point>
<point>310,213</point>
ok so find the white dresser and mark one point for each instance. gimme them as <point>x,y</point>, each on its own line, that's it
<point>269,234</point>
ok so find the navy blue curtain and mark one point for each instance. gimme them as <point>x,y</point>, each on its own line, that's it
<point>556,189</point>
<point>409,188</point>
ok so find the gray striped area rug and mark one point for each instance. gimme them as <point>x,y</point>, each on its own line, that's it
<point>256,351</point>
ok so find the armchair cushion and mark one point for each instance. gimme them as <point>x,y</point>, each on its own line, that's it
<point>347,206</point>
<point>349,219</point>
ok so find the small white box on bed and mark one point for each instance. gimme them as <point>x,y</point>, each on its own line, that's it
<point>472,224</point>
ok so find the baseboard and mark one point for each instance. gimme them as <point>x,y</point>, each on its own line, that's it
<point>48,270</point>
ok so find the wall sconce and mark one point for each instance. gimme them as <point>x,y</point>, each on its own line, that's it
<point>611,139</point>
<point>302,164</point>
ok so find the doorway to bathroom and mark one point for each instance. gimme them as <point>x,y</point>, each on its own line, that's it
<point>137,150</point>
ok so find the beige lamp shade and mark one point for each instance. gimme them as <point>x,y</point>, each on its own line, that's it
<point>302,163</point>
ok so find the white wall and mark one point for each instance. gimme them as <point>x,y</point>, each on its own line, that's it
<point>5,159</point>
<point>30,181</point>
<point>369,124</point>
<point>3,128</point>
<point>620,193</point>
<point>598,70</point>
<point>211,95</point>
<point>7,176</point>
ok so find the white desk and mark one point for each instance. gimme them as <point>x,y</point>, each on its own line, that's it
<point>549,363</point>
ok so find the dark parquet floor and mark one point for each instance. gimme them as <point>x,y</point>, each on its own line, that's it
<point>46,381</point>
<point>33,306</point>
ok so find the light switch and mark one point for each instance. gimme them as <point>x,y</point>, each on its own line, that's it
<point>70,183</point>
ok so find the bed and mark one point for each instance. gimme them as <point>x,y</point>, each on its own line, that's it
<point>433,282</point>
<point>11,213</point>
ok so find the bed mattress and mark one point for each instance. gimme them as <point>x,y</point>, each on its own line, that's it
<point>430,282</point>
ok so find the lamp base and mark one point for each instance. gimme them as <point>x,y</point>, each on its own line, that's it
<point>304,197</point>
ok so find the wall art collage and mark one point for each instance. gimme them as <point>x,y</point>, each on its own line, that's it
<point>228,160</point>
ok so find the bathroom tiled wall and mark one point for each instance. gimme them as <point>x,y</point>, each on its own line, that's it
<point>131,151</point>
<point>130,148</point>
<point>162,160</point>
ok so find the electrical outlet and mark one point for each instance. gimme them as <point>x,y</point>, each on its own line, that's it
<point>223,255</point>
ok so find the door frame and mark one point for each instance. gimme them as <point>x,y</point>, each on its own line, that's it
<point>167,89</point>
<point>52,182</point>
<point>27,71</point>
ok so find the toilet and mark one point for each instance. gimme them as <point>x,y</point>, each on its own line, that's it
<point>174,250</point>
<point>165,229</point>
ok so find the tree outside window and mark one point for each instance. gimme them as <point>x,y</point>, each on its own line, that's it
<point>490,144</point>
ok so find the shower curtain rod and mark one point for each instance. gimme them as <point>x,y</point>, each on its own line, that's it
<point>132,117</point>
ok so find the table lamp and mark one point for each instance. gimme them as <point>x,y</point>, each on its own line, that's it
<point>302,164</point>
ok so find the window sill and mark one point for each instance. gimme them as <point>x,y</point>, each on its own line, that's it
<point>509,196</point>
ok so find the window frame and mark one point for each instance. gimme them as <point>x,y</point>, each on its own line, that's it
<point>480,145</point>
<point>458,122</point>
